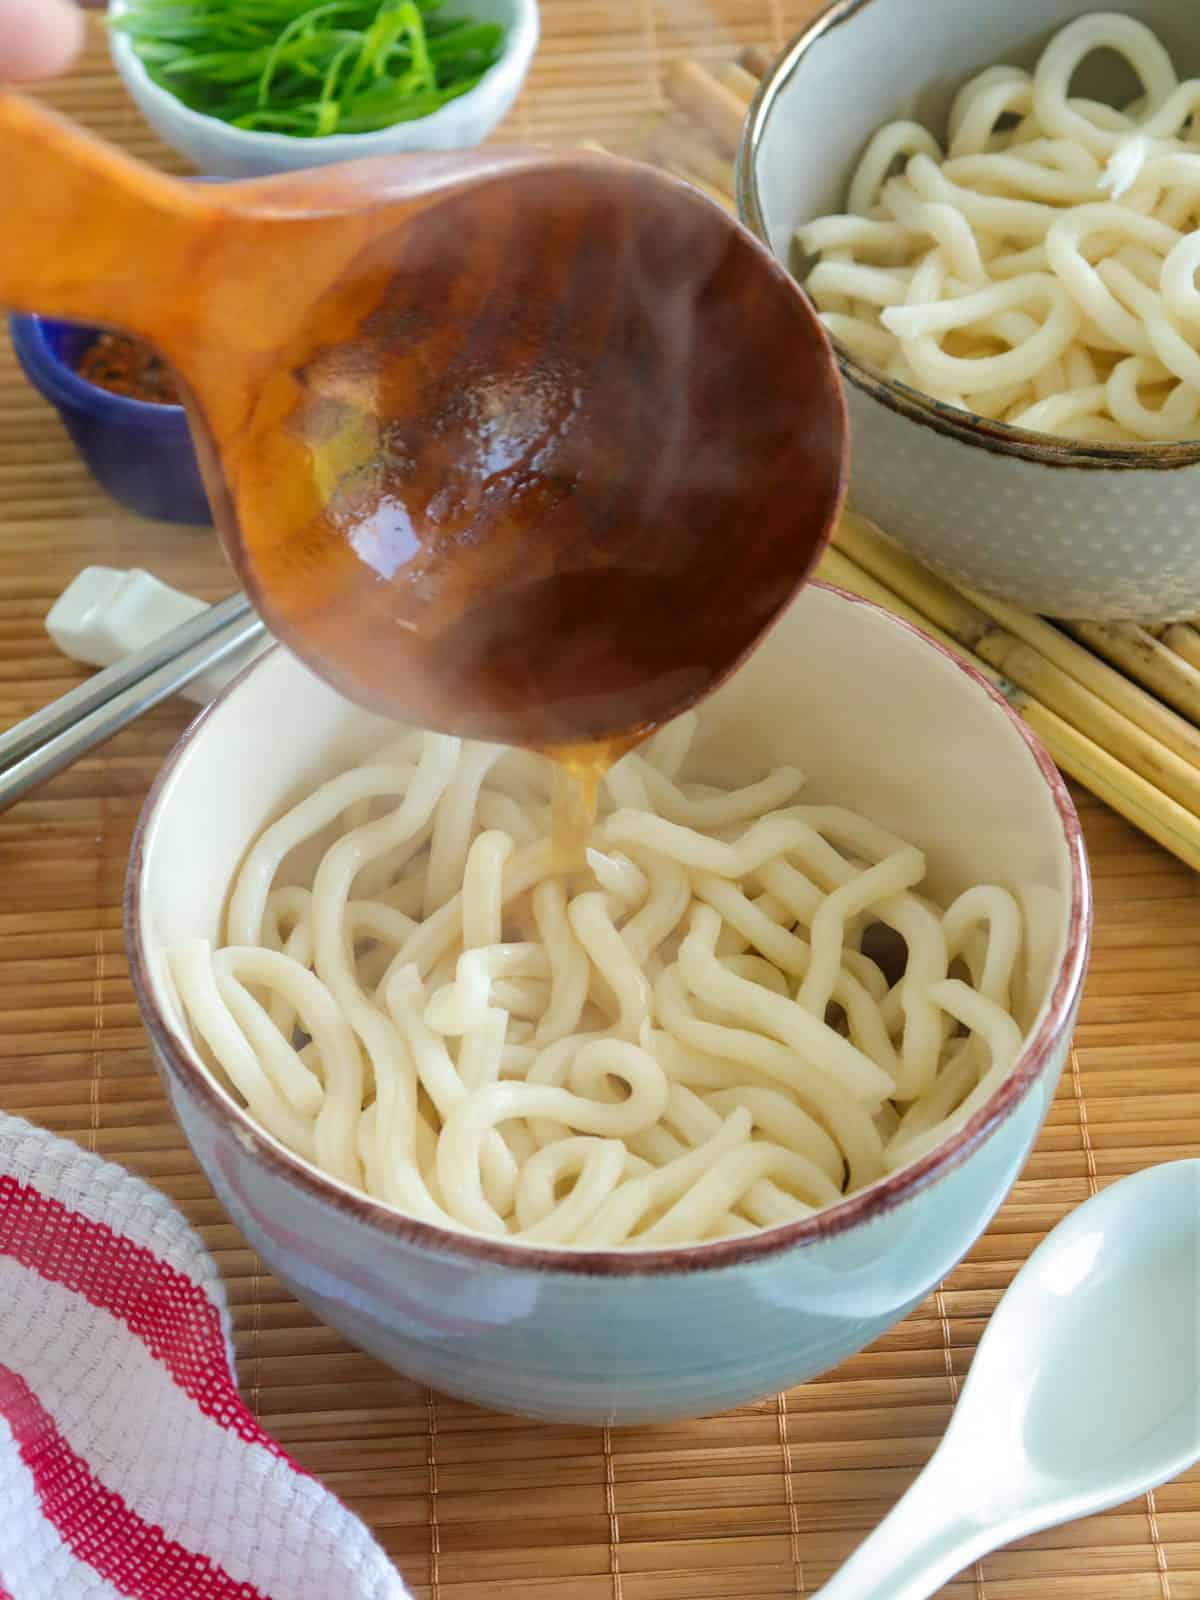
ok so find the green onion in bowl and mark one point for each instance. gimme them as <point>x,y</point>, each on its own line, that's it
<point>310,71</point>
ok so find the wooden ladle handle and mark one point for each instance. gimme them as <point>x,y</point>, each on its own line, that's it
<point>92,235</point>
<point>88,233</point>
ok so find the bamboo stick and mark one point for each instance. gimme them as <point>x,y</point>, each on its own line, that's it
<point>675,141</point>
<point>1122,790</point>
<point>737,80</point>
<point>1131,796</point>
<point>838,568</point>
<point>1183,638</point>
<point>757,59</point>
<point>1031,671</point>
<point>694,89</point>
<point>1130,699</point>
<point>717,196</point>
<point>1136,651</point>
<point>715,192</point>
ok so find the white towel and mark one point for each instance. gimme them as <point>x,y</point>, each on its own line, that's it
<point>129,1467</point>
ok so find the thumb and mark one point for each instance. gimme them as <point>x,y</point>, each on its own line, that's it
<point>38,38</point>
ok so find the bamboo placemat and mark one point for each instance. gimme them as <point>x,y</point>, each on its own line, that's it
<point>759,1504</point>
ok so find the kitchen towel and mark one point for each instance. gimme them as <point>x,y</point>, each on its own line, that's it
<point>129,1467</point>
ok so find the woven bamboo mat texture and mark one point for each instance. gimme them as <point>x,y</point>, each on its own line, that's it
<point>760,1504</point>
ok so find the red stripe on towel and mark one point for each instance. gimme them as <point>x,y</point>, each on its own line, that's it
<point>167,1311</point>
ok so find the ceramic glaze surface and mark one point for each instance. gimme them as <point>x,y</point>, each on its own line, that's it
<point>870,709</point>
<point>1101,541</point>
<point>139,453</point>
<point>1084,1391</point>
<point>569,1347</point>
<point>1064,541</point>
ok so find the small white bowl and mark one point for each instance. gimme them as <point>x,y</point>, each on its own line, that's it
<point>1103,532</point>
<point>220,151</point>
<point>882,719</point>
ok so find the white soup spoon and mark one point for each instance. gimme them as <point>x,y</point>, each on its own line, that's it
<point>1084,1392</point>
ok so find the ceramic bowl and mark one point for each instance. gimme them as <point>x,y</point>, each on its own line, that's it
<point>138,452</point>
<point>882,719</point>
<point>215,148</point>
<point>1102,531</point>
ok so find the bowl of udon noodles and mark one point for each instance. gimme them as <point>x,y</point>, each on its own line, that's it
<point>994,208</point>
<point>642,1131</point>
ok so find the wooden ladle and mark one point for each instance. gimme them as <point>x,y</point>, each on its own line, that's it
<point>524,446</point>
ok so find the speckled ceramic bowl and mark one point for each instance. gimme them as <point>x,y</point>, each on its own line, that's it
<point>1096,531</point>
<point>881,718</point>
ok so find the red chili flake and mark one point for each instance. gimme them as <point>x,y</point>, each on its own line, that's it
<point>126,366</point>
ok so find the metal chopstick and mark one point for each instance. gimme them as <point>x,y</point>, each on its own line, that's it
<point>34,731</point>
<point>69,727</point>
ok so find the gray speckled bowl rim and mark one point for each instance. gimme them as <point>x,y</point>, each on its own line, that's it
<point>177,1058</point>
<point>1001,438</point>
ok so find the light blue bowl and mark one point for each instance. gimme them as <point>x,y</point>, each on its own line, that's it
<point>882,719</point>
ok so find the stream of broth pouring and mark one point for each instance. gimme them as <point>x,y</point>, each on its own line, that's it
<point>579,770</point>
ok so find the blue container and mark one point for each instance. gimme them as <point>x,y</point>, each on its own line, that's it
<point>141,453</point>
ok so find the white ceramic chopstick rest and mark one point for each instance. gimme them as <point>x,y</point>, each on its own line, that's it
<point>105,614</point>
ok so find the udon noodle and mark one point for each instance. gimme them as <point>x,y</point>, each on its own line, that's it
<point>1039,270</point>
<point>737,1009</point>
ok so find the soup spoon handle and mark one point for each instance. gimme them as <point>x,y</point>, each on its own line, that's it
<point>921,1544</point>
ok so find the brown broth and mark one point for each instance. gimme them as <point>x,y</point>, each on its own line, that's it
<point>578,773</point>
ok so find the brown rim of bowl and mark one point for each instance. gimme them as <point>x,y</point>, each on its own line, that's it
<point>1001,438</point>
<point>177,1056</point>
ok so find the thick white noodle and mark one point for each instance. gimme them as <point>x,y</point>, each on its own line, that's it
<point>453,826</point>
<point>1061,58</point>
<point>680,1041</point>
<point>994,93</point>
<point>893,141</point>
<point>1055,233</point>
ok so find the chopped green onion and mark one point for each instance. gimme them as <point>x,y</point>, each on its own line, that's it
<point>310,70</point>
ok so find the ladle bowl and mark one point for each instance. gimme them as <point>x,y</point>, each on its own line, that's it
<point>524,446</point>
